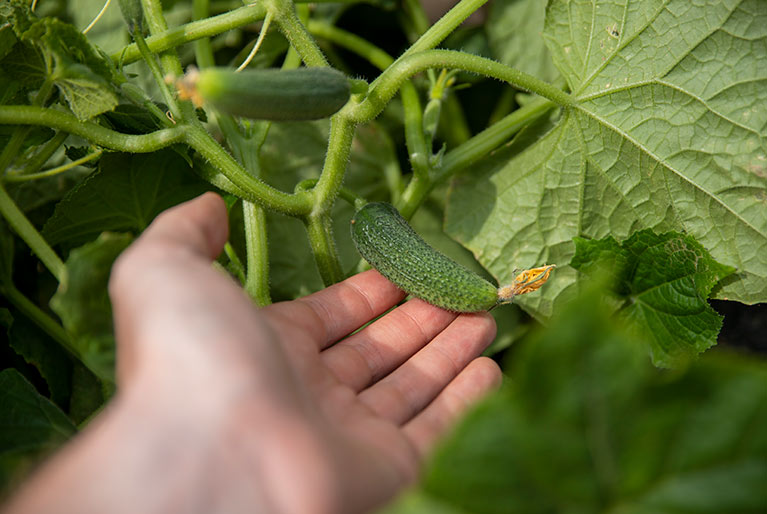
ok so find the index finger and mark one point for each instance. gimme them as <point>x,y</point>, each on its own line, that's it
<point>340,309</point>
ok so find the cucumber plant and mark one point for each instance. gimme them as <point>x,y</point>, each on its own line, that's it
<point>619,141</point>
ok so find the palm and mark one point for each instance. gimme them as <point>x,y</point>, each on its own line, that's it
<point>378,386</point>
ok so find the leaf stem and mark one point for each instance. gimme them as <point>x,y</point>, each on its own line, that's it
<point>297,205</point>
<point>41,157</point>
<point>30,115</point>
<point>336,158</point>
<point>158,75</point>
<point>53,171</point>
<point>481,144</point>
<point>352,42</point>
<point>295,32</point>
<point>257,277</point>
<point>45,322</point>
<point>165,40</point>
<point>387,84</point>
<point>320,232</point>
<point>29,234</point>
<point>157,25</point>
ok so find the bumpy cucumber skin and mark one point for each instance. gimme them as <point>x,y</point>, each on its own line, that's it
<point>274,94</point>
<point>386,240</point>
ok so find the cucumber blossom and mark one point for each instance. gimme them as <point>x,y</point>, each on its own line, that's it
<point>386,240</point>
<point>271,94</point>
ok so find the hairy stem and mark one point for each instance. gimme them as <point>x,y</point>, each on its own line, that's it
<point>332,176</point>
<point>46,152</point>
<point>45,322</point>
<point>165,40</point>
<point>323,247</point>
<point>157,25</point>
<point>387,84</point>
<point>29,234</point>
<point>490,138</point>
<point>257,277</point>
<point>297,205</point>
<point>29,115</point>
<point>54,171</point>
<point>295,32</point>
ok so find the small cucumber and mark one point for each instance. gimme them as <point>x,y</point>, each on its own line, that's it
<point>390,245</point>
<point>274,94</point>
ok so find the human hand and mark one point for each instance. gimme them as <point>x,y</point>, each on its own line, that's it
<point>278,409</point>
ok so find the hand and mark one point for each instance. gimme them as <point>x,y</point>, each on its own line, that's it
<point>226,408</point>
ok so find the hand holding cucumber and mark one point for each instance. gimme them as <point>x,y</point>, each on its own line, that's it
<point>289,408</point>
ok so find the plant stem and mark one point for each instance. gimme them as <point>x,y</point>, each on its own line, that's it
<point>490,138</point>
<point>444,27</point>
<point>41,157</point>
<point>387,84</point>
<point>30,115</point>
<point>344,193</point>
<point>332,176</point>
<point>45,322</point>
<point>29,234</point>
<point>183,34</point>
<point>53,171</point>
<point>157,25</point>
<point>297,205</point>
<point>352,42</point>
<point>323,247</point>
<point>13,147</point>
<point>295,32</point>
<point>470,151</point>
<point>159,78</point>
<point>257,277</point>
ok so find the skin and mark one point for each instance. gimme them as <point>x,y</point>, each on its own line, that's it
<point>222,407</point>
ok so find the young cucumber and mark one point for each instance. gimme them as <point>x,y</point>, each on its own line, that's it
<point>273,94</point>
<point>390,245</point>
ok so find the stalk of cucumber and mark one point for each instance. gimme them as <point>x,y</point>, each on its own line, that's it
<point>386,241</point>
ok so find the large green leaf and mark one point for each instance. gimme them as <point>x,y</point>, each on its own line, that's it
<point>515,33</point>
<point>82,301</point>
<point>662,283</point>
<point>668,132</point>
<point>587,424</point>
<point>30,425</point>
<point>126,193</point>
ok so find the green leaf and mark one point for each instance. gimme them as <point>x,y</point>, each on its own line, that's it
<point>515,33</point>
<point>82,301</point>
<point>6,255</point>
<point>56,51</point>
<point>30,425</point>
<point>663,282</point>
<point>666,132</point>
<point>125,194</point>
<point>50,359</point>
<point>586,424</point>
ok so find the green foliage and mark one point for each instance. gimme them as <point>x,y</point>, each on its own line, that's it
<point>126,193</point>
<point>586,424</point>
<point>641,166</point>
<point>661,283</point>
<point>30,425</point>
<point>664,134</point>
<point>82,302</point>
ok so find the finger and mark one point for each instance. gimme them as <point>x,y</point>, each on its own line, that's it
<point>410,388</point>
<point>199,225</point>
<point>480,377</point>
<point>379,348</point>
<point>337,311</point>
